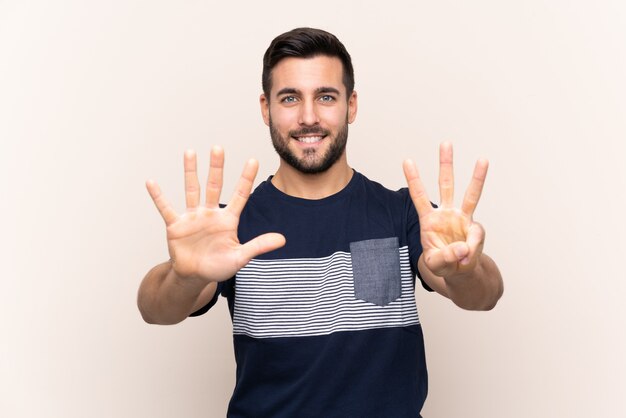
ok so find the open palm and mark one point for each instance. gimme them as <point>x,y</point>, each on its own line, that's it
<point>202,242</point>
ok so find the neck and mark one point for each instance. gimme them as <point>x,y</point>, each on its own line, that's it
<point>313,186</point>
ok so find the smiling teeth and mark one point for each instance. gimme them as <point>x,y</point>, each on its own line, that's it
<point>309,139</point>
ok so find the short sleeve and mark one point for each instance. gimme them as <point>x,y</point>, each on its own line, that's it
<point>213,301</point>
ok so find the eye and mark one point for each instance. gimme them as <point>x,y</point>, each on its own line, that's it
<point>326,98</point>
<point>288,99</point>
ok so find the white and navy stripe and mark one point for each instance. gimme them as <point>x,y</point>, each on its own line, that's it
<point>313,296</point>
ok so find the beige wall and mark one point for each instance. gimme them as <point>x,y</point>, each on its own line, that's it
<point>96,97</point>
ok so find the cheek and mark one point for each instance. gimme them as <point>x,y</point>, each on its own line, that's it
<point>284,119</point>
<point>334,117</point>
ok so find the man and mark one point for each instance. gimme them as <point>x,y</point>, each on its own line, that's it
<point>318,264</point>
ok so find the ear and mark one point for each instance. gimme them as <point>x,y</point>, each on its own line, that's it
<point>265,109</point>
<point>352,107</point>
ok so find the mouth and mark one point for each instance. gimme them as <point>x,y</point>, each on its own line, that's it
<point>309,139</point>
<point>309,136</point>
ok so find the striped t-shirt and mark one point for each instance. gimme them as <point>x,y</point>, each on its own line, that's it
<point>327,326</point>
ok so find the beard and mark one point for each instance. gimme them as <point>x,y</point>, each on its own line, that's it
<point>311,162</point>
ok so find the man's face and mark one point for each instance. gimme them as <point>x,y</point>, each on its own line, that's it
<point>308,112</point>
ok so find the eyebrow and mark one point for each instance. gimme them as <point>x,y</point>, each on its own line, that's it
<point>327,90</point>
<point>287,90</point>
<point>319,90</point>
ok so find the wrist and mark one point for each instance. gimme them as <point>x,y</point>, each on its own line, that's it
<point>466,273</point>
<point>186,278</point>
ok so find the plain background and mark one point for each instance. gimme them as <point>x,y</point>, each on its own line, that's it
<point>97,97</point>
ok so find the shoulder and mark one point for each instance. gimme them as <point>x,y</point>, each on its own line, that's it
<point>375,190</point>
<point>261,196</point>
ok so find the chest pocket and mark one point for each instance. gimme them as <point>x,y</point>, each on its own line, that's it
<point>376,270</point>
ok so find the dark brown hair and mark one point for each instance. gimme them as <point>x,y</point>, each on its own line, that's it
<point>306,43</point>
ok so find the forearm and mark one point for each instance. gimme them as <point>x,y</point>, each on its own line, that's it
<point>479,289</point>
<point>165,298</point>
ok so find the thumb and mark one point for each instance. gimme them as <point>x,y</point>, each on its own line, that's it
<point>460,250</point>
<point>261,245</point>
<point>445,260</point>
<point>475,242</point>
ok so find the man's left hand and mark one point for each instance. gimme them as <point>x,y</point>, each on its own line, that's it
<point>452,242</point>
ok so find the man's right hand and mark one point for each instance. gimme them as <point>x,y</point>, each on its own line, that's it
<point>202,242</point>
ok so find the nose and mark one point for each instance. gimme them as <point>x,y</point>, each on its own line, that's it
<point>308,114</point>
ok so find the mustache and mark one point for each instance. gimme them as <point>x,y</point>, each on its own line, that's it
<point>313,130</point>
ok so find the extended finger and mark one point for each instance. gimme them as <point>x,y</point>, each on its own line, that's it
<point>192,186</point>
<point>475,188</point>
<point>214,182</point>
<point>446,175</point>
<point>416,189</point>
<point>260,245</point>
<point>244,187</point>
<point>167,212</point>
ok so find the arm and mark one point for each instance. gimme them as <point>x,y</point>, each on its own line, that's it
<point>166,298</point>
<point>478,290</point>
<point>452,262</point>
<point>202,243</point>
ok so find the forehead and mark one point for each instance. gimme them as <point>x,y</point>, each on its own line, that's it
<point>308,74</point>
